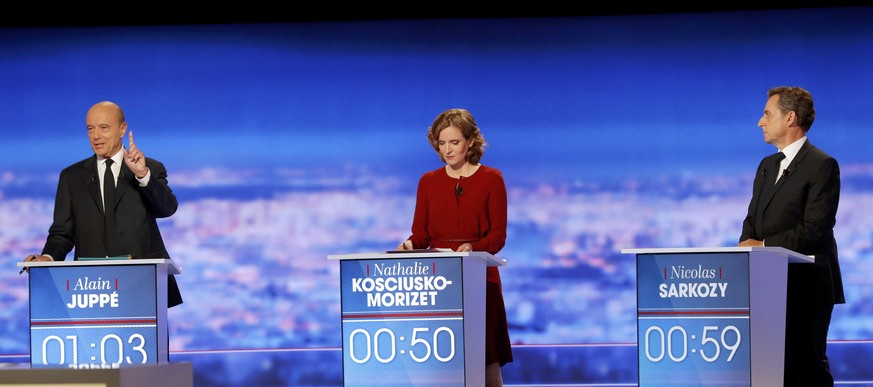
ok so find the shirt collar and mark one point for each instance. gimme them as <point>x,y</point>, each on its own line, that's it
<point>791,150</point>
<point>117,158</point>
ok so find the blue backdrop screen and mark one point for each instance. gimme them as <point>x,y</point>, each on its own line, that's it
<point>289,142</point>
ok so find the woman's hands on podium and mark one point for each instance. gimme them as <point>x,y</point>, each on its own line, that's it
<point>406,245</point>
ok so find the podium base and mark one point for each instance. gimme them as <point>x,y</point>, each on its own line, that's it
<point>164,375</point>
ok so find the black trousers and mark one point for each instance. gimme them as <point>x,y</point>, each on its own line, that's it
<point>808,317</point>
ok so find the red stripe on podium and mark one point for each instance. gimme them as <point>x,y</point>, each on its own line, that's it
<point>402,315</point>
<point>694,312</point>
<point>94,322</point>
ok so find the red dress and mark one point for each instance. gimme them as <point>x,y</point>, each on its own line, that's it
<point>450,212</point>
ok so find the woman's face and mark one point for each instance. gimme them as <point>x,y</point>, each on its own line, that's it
<point>453,146</point>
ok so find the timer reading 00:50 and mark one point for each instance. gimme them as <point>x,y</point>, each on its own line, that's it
<point>658,344</point>
<point>110,344</point>
<point>421,347</point>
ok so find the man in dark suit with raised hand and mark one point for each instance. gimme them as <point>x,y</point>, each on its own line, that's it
<point>794,203</point>
<point>127,225</point>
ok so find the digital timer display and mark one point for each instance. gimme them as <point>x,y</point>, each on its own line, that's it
<point>107,351</point>
<point>93,316</point>
<point>693,319</point>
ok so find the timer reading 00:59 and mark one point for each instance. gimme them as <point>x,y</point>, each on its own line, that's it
<point>110,344</point>
<point>658,343</point>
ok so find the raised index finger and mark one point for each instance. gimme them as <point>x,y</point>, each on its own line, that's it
<point>131,145</point>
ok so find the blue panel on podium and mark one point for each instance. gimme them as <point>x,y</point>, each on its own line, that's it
<point>92,316</point>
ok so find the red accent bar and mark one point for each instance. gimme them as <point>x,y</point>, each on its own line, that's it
<point>94,322</point>
<point>396,315</point>
<point>692,312</point>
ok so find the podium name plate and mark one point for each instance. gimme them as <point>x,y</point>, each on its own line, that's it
<point>97,316</point>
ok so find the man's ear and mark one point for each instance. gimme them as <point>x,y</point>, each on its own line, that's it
<point>123,131</point>
<point>791,118</point>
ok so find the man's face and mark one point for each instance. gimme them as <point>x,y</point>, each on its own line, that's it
<point>775,123</point>
<point>105,130</point>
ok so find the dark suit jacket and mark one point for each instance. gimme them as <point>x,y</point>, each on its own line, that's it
<point>79,223</point>
<point>799,214</point>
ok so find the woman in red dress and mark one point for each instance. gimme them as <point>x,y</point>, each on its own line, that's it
<point>462,206</point>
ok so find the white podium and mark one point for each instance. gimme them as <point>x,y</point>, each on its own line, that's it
<point>712,316</point>
<point>98,314</point>
<point>414,318</point>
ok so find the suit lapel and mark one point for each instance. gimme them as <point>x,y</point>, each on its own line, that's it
<point>93,181</point>
<point>124,182</point>
<point>797,162</point>
<point>769,188</point>
<point>772,187</point>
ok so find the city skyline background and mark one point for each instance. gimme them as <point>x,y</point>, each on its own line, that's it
<point>289,142</point>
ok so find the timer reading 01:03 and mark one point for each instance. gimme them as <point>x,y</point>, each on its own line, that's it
<point>659,344</point>
<point>109,345</point>
<point>421,347</point>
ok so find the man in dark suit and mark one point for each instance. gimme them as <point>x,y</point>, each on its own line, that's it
<point>141,195</point>
<point>794,205</point>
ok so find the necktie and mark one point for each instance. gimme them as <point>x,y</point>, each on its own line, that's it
<point>777,161</point>
<point>108,204</point>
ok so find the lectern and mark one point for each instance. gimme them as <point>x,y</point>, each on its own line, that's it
<point>414,317</point>
<point>712,316</point>
<point>98,314</point>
